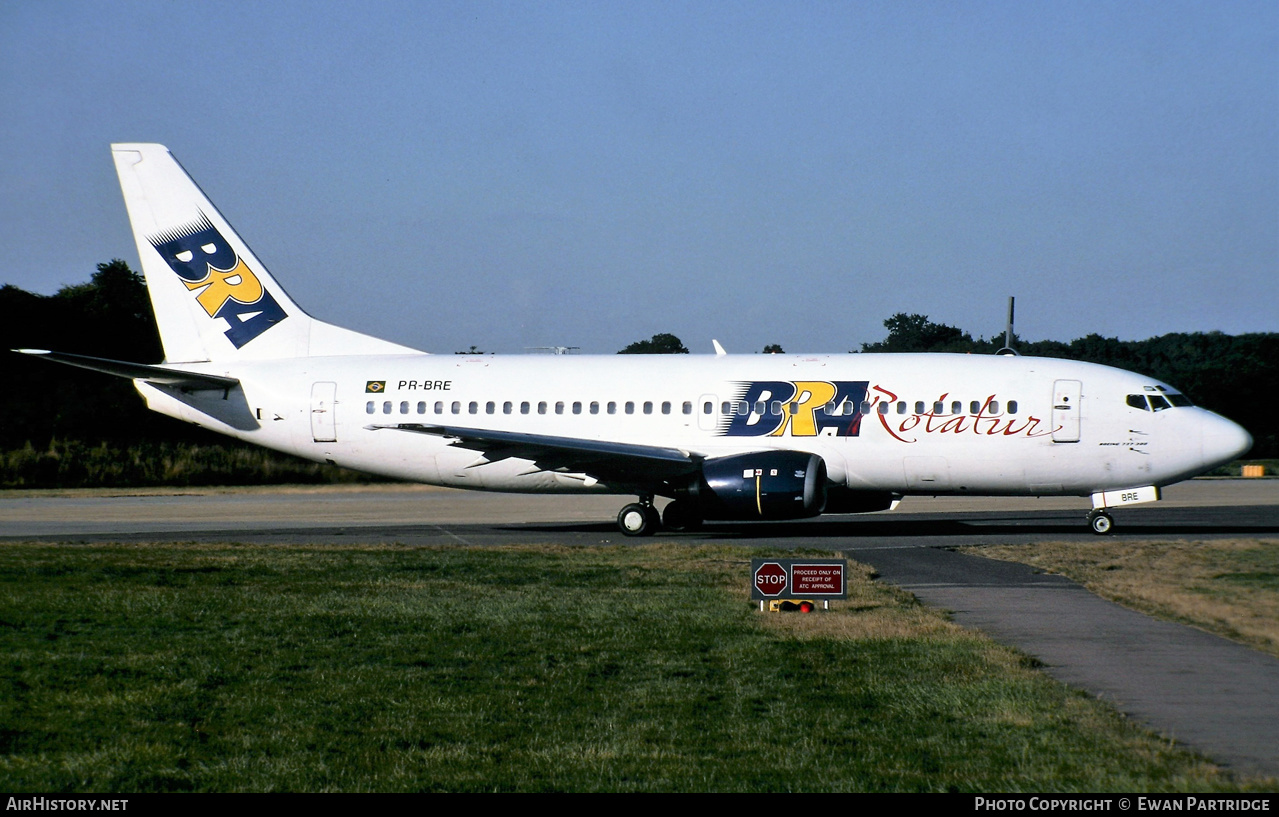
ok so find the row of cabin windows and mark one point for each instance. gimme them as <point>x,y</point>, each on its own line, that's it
<point>525,407</point>
<point>728,407</point>
<point>848,407</point>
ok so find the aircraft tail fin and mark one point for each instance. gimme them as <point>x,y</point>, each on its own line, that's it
<point>213,299</point>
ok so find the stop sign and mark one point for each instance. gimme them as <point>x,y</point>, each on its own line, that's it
<point>770,579</point>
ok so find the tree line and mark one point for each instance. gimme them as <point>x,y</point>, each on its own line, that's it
<point>57,419</point>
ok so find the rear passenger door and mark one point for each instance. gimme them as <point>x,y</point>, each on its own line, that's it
<point>323,423</point>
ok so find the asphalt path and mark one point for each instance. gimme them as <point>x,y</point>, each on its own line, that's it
<point>1206,692</point>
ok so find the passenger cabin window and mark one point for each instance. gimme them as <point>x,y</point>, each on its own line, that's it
<point>473,407</point>
<point>901,407</point>
<point>508,407</point>
<point>369,408</point>
<point>630,407</point>
<point>421,408</point>
<point>439,406</point>
<point>524,407</point>
<point>883,408</point>
<point>404,407</point>
<point>666,407</point>
<point>559,407</point>
<point>1012,406</point>
<point>386,407</point>
<point>612,407</point>
<point>595,407</point>
<point>919,407</point>
<point>457,406</point>
<point>577,406</point>
<point>541,407</point>
<point>648,406</point>
<point>688,407</point>
<point>490,407</point>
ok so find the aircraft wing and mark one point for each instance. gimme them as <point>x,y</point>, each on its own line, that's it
<point>611,462</point>
<point>156,375</point>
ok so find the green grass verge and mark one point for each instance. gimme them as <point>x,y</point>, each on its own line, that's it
<point>243,668</point>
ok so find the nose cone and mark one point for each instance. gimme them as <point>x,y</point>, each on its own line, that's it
<point>1223,440</point>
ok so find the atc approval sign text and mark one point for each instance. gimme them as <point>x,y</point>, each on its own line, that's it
<point>793,578</point>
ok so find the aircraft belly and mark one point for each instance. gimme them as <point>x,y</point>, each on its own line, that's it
<point>926,474</point>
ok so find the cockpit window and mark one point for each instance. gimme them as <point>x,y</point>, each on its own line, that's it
<point>1158,402</point>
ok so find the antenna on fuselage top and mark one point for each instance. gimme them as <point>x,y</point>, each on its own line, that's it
<point>1008,331</point>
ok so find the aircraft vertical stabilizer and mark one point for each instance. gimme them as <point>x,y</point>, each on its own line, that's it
<point>213,299</point>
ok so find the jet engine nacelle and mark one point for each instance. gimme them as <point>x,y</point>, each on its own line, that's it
<point>763,485</point>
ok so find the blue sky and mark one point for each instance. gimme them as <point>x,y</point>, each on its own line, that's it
<point>588,174</point>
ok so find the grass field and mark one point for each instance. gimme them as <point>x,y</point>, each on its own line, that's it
<point>637,668</point>
<point>1225,586</point>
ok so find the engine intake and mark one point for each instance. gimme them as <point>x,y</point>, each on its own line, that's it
<point>763,485</point>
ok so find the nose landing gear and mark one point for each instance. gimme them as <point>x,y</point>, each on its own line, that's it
<point>1100,521</point>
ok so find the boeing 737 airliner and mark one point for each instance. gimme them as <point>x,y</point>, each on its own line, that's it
<point>728,437</point>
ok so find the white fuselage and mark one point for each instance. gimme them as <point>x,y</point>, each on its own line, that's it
<point>904,423</point>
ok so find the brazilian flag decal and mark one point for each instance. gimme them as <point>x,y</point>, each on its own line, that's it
<point>375,387</point>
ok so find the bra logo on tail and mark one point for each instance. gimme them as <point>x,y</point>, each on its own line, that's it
<point>224,285</point>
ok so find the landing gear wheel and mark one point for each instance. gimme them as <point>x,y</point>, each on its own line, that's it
<point>654,519</point>
<point>1100,522</point>
<point>681,515</point>
<point>638,520</point>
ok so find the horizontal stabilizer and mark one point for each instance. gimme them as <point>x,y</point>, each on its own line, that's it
<point>155,375</point>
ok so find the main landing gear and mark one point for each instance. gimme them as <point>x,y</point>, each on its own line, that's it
<point>642,519</point>
<point>1100,521</point>
<point>639,518</point>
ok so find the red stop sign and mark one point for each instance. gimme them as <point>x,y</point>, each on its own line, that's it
<point>770,579</point>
